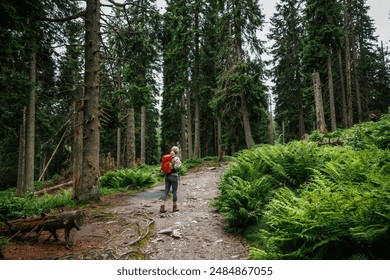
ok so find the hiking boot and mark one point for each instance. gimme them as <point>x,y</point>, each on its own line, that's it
<point>175,209</point>
<point>162,209</point>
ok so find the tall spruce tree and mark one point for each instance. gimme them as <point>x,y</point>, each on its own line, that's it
<point>86,188</point>
<point>323,34</point>
<point>240,69</point>
<point>131,63</point>
<point>366,61</point>
<point>176,45</point>
<point>29,26</point>
<point>13,84</point>
<point>287,35</point>
<point>209,117</point>
<point>378,100</point>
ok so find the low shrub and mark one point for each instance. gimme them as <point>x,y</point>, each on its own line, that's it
<point>127,178</point>
<point>361,136</point>
<point>250,181</point>
<point>13,207</point>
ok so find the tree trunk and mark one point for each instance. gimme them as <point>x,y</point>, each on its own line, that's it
<point>78,146</point>
<point>184,141</point>
<point>118,145</point>
<point>348,65</point>
<point>22,156</point>
<point>246,122</point>
<point>331,95</point>
<point>130,139</point>
<point>143,134</point>
<point>197,149</point>
<point>89,190</point>
<point>244,103</point>
<point>30,126</point>
<point>301,114</point>
<point>344,118</point>
<point>189,125</point>
<point>271,122</point>
<point>301,118</point>
<point>119,129</point>
<point>356,78</point>
<point>219,139</point>
<point>321,126</point>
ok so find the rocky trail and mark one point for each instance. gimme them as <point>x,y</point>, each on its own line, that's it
<point>131,227</point>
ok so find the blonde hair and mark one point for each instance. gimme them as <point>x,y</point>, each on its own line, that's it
<point>175,149</point>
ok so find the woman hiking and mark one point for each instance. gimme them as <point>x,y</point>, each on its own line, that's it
<point>170,166</point>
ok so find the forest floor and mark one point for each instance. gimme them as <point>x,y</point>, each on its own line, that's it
<point>124,226</point>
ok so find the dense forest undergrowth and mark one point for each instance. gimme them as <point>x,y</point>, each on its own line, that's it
<point>308,201</point>
<point>302,200</point>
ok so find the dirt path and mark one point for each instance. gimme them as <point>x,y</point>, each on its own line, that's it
<point>200,228</point>
<point>134,229</point>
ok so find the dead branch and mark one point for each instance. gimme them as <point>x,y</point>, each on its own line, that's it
<point>53,188</point>
<point>75,16</point>
<point>52,156</point>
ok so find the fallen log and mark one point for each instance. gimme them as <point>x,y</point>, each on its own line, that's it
<point>51,223</point>
<point>53,188</point>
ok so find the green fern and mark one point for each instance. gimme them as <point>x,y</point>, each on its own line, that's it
<point>324,216</point>
<point>13,207</point>
<point>311,202</point>
<point>250,181</point>
<point>127,178</point>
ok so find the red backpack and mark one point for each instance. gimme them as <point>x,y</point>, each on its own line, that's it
<point>166,164</point>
